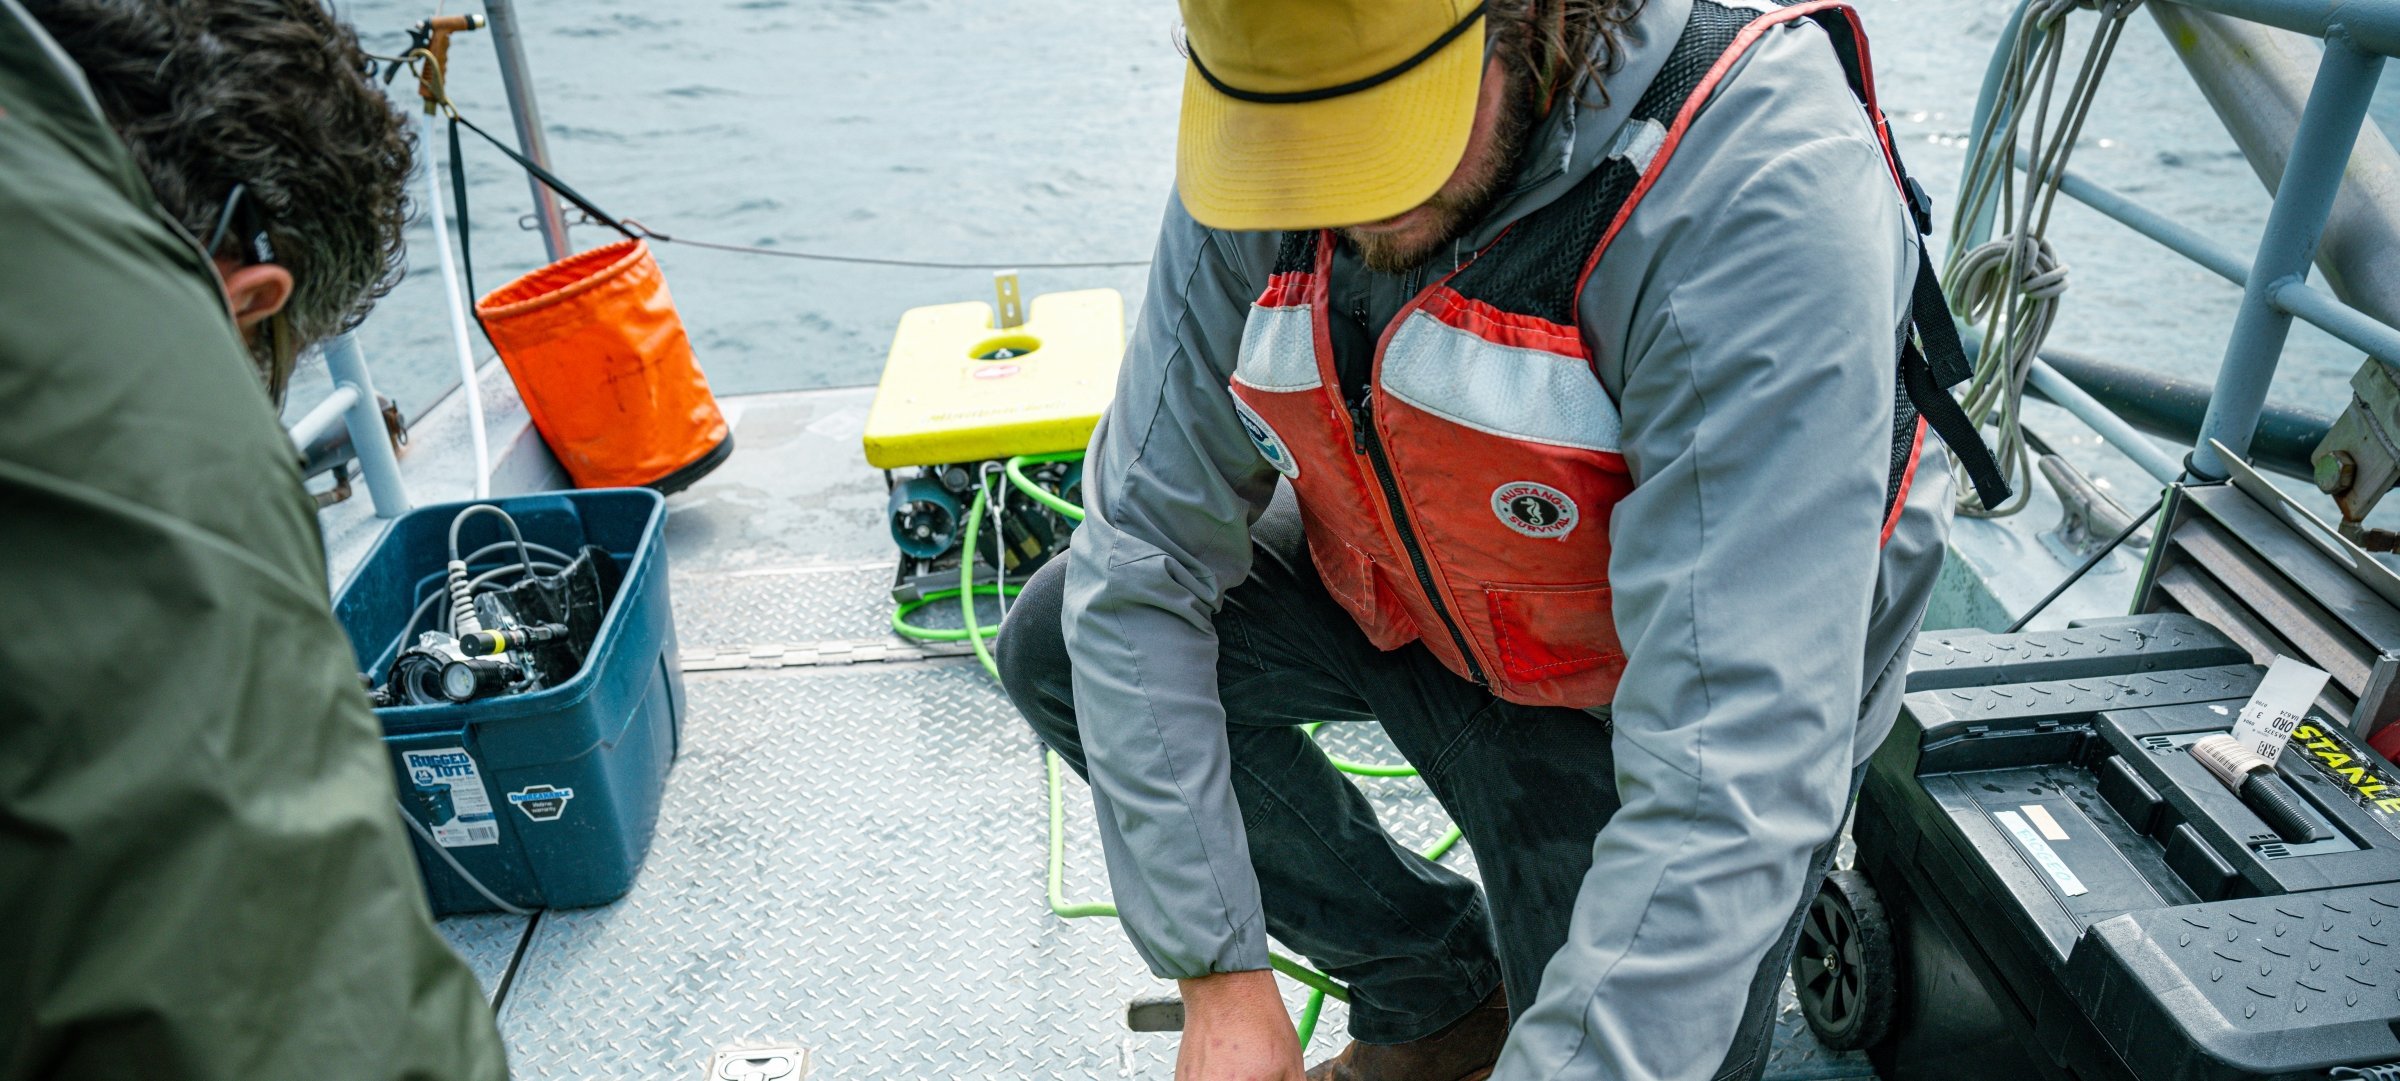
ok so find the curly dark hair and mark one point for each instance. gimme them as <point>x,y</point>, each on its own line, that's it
<point>1558,44</point>
<point>272,95</point>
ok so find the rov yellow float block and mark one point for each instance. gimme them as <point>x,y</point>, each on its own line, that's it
<point>956,388</point>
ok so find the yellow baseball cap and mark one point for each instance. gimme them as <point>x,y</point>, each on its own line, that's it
<point>1303,114</point>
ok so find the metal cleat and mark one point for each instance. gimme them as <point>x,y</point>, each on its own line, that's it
<point>784,1062</point>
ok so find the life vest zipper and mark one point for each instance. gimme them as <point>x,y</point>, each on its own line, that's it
<point>1365,440</point>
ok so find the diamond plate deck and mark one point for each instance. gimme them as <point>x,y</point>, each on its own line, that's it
<point>850,859</point>
<point>486,942</point>
<point>853,859</point>
<point>806,616</point>
<point>794,604</point>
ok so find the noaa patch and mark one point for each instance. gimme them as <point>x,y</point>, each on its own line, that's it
<point>1270,446</point>
<point>1536,510</point>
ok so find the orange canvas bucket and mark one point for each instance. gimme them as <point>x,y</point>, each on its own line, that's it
<point>603,364</point>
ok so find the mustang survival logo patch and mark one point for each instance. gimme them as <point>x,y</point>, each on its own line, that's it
<point>1536,510</point>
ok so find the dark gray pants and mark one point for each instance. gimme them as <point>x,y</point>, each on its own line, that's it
<point>1530,788</point>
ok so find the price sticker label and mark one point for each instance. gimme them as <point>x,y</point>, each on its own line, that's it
<point>2267,720</point>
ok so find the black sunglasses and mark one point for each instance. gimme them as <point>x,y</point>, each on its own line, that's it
<point>253,233</point>
<point>282,353</point>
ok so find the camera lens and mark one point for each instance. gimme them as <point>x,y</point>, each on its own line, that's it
<point>458,681</point>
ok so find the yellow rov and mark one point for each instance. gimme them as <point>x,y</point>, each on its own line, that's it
<point>969,388</point>
<point>965,383</point>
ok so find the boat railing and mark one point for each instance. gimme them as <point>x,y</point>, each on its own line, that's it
<point>352,406</point>
<point>352,403</point>
<point>2358,35</point>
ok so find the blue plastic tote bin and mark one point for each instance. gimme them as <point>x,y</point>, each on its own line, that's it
<point>548,798</point>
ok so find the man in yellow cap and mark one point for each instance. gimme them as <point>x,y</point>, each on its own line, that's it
<point>1546,380</point>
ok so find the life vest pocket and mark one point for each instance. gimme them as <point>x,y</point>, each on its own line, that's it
<point>1350,576</point>
<point>1544,632</point>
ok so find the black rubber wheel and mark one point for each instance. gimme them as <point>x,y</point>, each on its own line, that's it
<point>1843,966</point>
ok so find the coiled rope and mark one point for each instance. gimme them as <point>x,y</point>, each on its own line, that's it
<point>2010,285</point>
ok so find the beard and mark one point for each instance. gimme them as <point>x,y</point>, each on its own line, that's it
<point>1462,201</point>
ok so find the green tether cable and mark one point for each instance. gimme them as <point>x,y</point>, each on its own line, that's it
<point>1016,476</point>
<point>1320,985</point>
<point>906,629</point>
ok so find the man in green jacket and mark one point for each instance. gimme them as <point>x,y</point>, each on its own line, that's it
<point>202,871</point>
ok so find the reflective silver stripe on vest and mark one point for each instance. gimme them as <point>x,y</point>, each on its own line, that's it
<point>1639,142</point>
<point>1279,350</point>
<point>1506,391</point>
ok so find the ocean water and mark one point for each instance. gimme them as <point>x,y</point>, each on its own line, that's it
<point>1043,130</point>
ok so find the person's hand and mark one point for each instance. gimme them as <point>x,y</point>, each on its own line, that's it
<point>1234,1029</point>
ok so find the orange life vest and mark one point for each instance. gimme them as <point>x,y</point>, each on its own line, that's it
<point>1463,499</point>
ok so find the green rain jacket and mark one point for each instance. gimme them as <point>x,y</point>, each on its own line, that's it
<point>202,872</point>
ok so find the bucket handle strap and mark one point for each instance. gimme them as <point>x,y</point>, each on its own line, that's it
<point>633,230</point>
<point>466,241</point>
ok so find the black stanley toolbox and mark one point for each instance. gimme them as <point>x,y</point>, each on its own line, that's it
<point>2065,892</point>
<point>2049,885</point>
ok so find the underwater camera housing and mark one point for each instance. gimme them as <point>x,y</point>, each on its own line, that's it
<point>525,635</point>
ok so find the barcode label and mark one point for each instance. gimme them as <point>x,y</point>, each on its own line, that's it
<point>450,798</point>
<point>2283,697</point>
<point>467,834</point>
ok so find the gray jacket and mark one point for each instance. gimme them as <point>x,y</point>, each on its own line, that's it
<point>1743,321</point>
